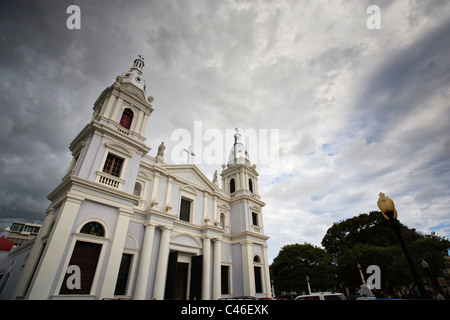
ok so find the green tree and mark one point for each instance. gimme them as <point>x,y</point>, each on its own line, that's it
<point>367,239</point>
<point>296,261</point>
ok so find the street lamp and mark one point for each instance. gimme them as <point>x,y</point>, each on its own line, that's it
<point>307,281</point>
<point>426,267</point>
<point>361,274</point>
<point>365,290</point>
<point>389,212</point>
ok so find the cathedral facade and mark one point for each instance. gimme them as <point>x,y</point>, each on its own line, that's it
<point>125,224</point>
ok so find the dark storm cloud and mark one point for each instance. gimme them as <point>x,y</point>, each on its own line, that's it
<point>407,82</point>
<point>303,67</point>
<point>48,85</point>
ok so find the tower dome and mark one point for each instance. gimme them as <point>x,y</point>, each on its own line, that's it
<point>134,74</point>
<point>238,153</point>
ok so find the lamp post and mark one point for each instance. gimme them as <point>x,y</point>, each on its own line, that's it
<point>309,288</point>
<point>389,212</point>
<point>365,290</point>
<point>426,267</point>
<point>361,274</point>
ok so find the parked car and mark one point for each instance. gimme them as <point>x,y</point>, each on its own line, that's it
<point>354,296</point>
<point>286,297</point>
<point>322,296</point>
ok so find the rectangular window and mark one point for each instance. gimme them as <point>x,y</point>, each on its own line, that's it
<point>85,255</point>
<point>113,165</point>
<point>255,219</point>
<point>225,279</point>
<point>258,279</point>
<point>185,210</point>
<point>17,227</point>
<point>122,277</point>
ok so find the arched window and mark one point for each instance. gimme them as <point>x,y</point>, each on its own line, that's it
<point>137,189</point>
<point>137,192</point>
<point>85,257</point>
<point>127,118</point>
<point>222,220</point>
<point>250,185</point>
<point>93,228</point>
<point>232,186</point>
<point>256,259</point>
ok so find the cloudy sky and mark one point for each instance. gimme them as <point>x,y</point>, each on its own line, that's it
<point>356,110</point>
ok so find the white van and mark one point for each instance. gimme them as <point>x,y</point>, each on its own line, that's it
<point>322,296</point>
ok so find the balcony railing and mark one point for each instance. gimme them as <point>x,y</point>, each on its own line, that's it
<point>109,180</point>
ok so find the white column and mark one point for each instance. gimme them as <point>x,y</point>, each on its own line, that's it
<point>161,269</point>
<point>217,291</point>
<point>215,218</point>
<point>247,269</point>
<point>115,255</point>
<point>267,284</point>
<point>107,110</point>
<point>54,251</point>
<point>205,209</point>
<point>144,125</point>
<point>117,108</point>
<point>139,121</point>
<point>168,195</point>
<point>154,190</point>
<point>206,276</point>
<point>144,263</point>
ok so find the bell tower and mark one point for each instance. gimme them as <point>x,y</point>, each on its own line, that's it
<point>240,180</point>
<point>109,148</point>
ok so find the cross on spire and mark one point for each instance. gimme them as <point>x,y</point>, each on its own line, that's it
<point>190,153</point>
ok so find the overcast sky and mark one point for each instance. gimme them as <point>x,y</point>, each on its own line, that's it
<point>357,110</point>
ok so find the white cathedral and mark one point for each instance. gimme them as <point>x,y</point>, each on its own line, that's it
<point>124,224</point>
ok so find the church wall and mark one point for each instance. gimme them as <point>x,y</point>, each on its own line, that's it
<point>198,210</point>
<point>90,161</point>
<point>90,210</point>
<point>161,194</point>
<point>13,259</point>
<point>132,169</point>
<point>137,229</point>
<point>238,219</point>
<point>175,198</point>
<point>236,256</point>
<point>257,250</point>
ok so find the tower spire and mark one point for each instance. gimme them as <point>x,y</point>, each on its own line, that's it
<point>238,153</point>
<point>134,74</point>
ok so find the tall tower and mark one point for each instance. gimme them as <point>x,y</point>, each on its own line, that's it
<point>109,149</point>
<point>100,182</point>
<point>240,179</point>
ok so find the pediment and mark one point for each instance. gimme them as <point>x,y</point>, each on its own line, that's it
<point>191,175</point>
<point>136,93</point>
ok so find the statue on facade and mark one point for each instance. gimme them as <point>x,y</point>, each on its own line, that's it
<point>160,154</point>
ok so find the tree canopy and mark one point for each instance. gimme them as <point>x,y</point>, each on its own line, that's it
<point>367,240</point>
<point>296,261</point>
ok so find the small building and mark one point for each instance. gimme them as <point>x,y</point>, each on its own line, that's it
<point>21,232</point>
